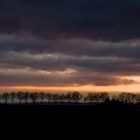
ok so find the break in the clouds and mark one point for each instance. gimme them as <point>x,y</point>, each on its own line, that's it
<point>73,42</point>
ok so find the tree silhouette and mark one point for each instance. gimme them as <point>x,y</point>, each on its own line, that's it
<point>1,98</point>
<point>76,97</point>
<point>48,97</point>
<point>5,97</point>
<point>89,98</point>
<point>42,96</point>
<point>34,97</point>
<point>26,97</point>
<point>12,96</point>
<point>69,98</point>
<point>62,98</point>
<point>55,97</point>
<point>137,98</point>
<point>114,98</point>
<point>96,97</point>
<point>19,96</point>
<point>129,98</point>
<point>102,96</point>
<point>133,98</point>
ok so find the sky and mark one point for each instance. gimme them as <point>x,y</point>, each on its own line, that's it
<point>70,45</point>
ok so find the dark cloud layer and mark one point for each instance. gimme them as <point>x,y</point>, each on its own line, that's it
<point>56,62</point>
<point>74,47</point>
<point>97,19</point>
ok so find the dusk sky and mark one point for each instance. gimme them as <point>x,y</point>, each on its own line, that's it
<point>70,44</point>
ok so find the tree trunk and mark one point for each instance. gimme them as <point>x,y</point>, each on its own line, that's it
<point>6,101</point>
<point>49,101</point>
<point>12,100</point>
<point>41,100</point>
<point>20,101</point>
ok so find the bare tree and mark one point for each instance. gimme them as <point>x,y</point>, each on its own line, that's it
<point>26,97</point>
<point>76,97</point>
<point>19,96</point>
<point>55,97</point>
<point>48,97</point>
<point>5,97</point>
<point>42,96</point>
<point>34,97</point>
<point>12,96</point>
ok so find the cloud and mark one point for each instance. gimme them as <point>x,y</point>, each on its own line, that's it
<point>98,19</point>
<point>73,46</point>
<point>81,54</point>
<point>51,42</point>
<point>68,77</point>
<point>124,49</point>
<point>60,62</point>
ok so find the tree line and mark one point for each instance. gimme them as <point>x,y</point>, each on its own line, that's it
<point>69,98</point>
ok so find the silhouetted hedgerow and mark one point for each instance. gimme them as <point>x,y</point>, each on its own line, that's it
<point>70,98</point>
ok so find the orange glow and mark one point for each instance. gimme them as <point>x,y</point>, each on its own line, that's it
<point>86,88</point>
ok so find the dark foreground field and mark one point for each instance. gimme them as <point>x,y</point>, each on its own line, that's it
<point>70,107</point>
<point>72,116</point>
